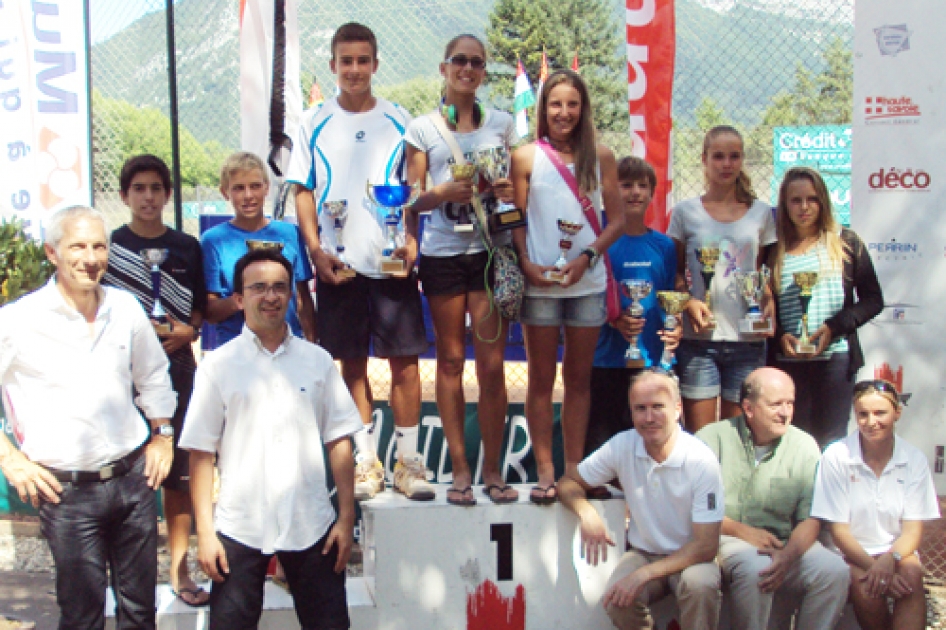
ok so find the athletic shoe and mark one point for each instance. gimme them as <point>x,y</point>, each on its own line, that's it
<point>369,477</point>
<point>410,479</point>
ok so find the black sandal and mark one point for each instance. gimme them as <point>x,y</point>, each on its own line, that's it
<point>464,500</point>
<point>544,498</point>
<point>503,499</point>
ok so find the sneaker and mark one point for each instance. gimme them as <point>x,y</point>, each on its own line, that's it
<point>369,477</point>
<point>410,479</point>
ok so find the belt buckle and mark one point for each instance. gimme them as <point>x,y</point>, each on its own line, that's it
<point>107,472</point>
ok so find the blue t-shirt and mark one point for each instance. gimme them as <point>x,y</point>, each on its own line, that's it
<point>225,244</point>
<point>651,256</point>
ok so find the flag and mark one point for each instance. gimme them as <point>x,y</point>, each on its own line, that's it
<point>543,72</point>
<point>575,61</point>
<point>315,95</point>
<point>524,99</point>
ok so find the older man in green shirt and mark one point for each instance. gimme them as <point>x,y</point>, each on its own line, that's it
<point>769,553</point>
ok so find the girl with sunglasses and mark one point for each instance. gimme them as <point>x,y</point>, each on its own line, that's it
<point>874,490</point>
<point>846,296</point>
<point>564,181</point>
<point>454,265</point>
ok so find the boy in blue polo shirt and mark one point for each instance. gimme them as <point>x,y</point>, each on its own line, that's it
<point>640,253</point>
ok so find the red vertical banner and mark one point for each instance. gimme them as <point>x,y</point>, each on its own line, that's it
<point>651,50</point>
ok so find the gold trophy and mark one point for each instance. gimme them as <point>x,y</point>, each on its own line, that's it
<point>751,287</point>
<point>338,212</point>
<point>708,257</point>
<point>392,198</point>
<point>806,281</point>
<point>568,230</point>
<point>459,173</point>
<point>673,303</point>
<point>635,290</point>
<point>253,245</point>
<point>154,258</point>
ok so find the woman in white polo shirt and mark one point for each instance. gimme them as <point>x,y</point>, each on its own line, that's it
<point>874,490</point>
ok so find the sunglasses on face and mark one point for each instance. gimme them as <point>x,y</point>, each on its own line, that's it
<point>879,385</point>
<point>477,63</point>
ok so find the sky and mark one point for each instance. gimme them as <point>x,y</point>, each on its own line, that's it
<point>110,16</point>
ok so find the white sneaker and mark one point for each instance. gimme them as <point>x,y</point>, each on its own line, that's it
<point>369,477</point>
<point>410,478</point>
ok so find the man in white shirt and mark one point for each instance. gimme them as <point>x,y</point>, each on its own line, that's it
<point>70,354</point>
<point>352,140</point>
<point>264,404</point>
<point>674,493</point>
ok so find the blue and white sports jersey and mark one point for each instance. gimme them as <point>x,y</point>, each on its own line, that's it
<point>335,153</point>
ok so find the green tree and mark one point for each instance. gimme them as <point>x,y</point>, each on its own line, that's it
<point>709,114</point>
<point>822,99</point>
<point>418,96</point>
<point>523,28</point>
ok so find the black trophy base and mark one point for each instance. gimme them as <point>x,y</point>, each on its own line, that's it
<point>508,220</point>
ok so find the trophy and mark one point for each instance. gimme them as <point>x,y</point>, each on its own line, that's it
<point>154,258</point>
<point>338,212</point>
<point>392,198</point>
<point>459,173</point>
<point>708,257</point>
<point>493,164</point>
<point>568,230</point>
<point>806,281</point>
<point>635,291</point>
<point>252,245</point>
<point>673,303</point>
<point>751,286</point>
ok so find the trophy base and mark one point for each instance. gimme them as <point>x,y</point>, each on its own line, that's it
<point>555,276</point>
<point>508,220</point>
<point>636,364</point>
<point>393,266</point>
<point>710,325</point>
<point>806,348</point>
<point>345,273</point>
<point>755,326</point>
<point>463,228</point>
<point>162,328</point>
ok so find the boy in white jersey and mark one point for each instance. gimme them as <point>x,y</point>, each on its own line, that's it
<point>351,140</point>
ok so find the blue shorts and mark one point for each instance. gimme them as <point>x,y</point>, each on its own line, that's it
<point>587,311</point>
<point>706,367</point>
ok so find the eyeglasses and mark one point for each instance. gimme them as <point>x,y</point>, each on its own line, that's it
<point>477,63</point>
<point>280,289</point>
<point>879,385</point>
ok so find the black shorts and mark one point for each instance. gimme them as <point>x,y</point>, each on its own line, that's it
<point>182,382</point>
<point>369,313</point>
<point>610,411</point>
<point>454,275</point>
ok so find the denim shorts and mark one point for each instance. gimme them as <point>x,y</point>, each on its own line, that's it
<point>706,367</point>
<point>586,311</point>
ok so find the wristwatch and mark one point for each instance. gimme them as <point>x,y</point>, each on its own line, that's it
<point>592,255</point>
<point>164,430</point>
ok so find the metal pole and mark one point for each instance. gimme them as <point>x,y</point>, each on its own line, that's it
<point>175,139</point>
<point>88,79</point>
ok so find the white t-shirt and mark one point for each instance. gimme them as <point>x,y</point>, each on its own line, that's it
<point>550,199</point>
<point>848,491</point>
<point>739,243</point>
<point>267,415</point>
<point>335,153</point>
<point>664,499</point>
<point>440,239</point>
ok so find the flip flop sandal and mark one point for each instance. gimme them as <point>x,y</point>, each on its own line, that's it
<point>544,498</point>
<point>192,591</point>
<point>466,496</point>
<point>501,498</point>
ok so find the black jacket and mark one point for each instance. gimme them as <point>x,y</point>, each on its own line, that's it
<point>863,299</point>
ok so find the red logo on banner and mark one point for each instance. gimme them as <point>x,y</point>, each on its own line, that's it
<point>886,373</point>
<point>651,36</point>
<point>488,609</point>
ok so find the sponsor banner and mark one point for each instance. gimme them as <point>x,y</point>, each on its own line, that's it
<point>825,148</point>
<point>257,28</point>
<point>651,35</point>
<point>897,201</point>
<point>44,109</point>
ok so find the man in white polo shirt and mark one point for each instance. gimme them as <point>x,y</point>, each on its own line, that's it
<point>674,492</point>
<point>265,403</point>
<point>70,354</point>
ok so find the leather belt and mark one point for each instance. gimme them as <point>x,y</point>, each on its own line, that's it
<point>117,468</point>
